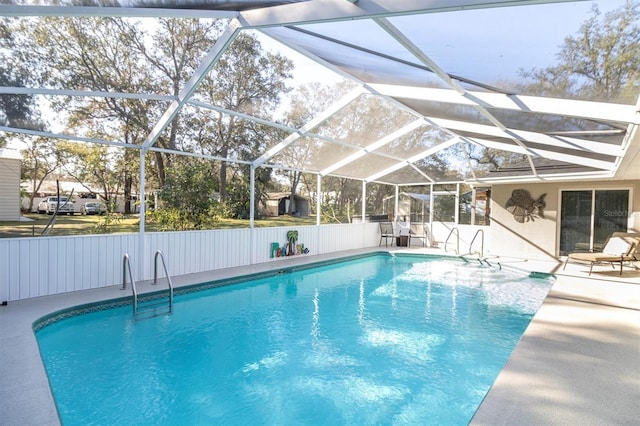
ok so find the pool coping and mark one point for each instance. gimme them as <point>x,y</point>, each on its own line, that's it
<point>606,308</point>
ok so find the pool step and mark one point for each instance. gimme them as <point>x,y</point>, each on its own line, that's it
<point>151,308</point>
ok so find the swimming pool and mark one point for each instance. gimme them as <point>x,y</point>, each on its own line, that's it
<point>378,339</point>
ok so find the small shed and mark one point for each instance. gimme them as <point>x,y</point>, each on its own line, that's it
<point>10,165</point>
<point>277,203</point>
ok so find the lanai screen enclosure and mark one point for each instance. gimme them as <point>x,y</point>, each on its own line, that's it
<point>449,69</point>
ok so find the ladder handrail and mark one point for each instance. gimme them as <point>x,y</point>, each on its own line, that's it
<point>454,229</point>
<point>166,273</point>
<point>126,264</point>
<point>481,253</point>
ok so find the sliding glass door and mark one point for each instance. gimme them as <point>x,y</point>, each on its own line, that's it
<point>575,221</point>
<point>588,217</point>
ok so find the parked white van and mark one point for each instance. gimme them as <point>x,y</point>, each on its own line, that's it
<point>49,204</point>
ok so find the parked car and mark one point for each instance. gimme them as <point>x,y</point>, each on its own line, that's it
<point>93,207</point>
<point>49,205</point>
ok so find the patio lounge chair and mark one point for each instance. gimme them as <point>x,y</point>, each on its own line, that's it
<point>621,247</point>
<point>419,231</point>
<point>387,232</point>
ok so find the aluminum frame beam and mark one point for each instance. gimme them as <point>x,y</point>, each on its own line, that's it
<point>328,112</point>
<point>561,142</point>
<point>413,159</point>
<point>288,14</point>
<point>559,156</point>
<point>548,178</point>
<point>599,111</point>
<point>113,12</point>
<point>244,116</point>
<point>317,11</point>
<point>28,91</point>
<point>374,146</point>
<point>71,138</point>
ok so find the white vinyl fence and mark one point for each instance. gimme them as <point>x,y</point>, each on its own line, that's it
<point>40,266</point>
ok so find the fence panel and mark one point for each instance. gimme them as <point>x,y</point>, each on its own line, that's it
<point>32,267</point>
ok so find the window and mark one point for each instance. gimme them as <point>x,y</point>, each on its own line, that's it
<point>444,207</point>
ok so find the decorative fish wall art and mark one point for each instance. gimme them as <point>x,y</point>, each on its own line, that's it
<point>524,207</point>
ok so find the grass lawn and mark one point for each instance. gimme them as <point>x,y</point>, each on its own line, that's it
<point>95,224</point>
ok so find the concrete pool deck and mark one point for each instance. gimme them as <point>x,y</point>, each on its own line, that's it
<point>577,363</point>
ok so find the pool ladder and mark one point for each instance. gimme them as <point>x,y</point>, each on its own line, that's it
<point>480,253</point>
<point>457,242</point>
<point>453,231</point>
<point>126,267</point>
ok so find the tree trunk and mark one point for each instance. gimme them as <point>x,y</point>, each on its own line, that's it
<point>223,181</point>
<point>160,168</point>
<point>128,183</point>
<point>294,186</point>
<point>33,193</point>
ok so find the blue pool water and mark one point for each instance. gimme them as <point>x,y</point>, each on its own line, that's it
<point>374,340</point>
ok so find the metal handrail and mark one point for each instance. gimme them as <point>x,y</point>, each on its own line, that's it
<point>166,273</point>
<point>126,265</point>
<point>457,240</point>
<point>481,252</point>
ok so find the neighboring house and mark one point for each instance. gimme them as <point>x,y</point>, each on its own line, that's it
<point>10,164</point>
<point>50,187</point>
<point>277,204</point>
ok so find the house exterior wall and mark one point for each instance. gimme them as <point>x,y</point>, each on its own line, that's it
<point>9,186</point>
<point>537,238</point>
